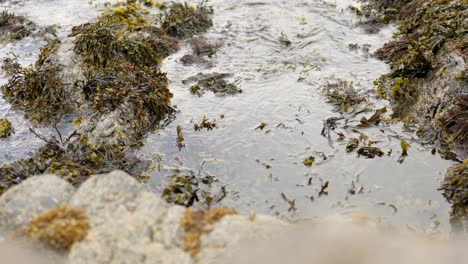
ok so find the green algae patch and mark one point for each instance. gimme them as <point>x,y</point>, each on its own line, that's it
<point>197,222</point>
<point>13,27</point>
<point>59,228</point>
<point>6,128</point>
<point>183,20</point>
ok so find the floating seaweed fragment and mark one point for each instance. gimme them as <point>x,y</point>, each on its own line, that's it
<point>370,152</point>
<point>6,128</point>
<point>205,124</point>
<point>261,126</point>
<point>180,138</point>
<point>352,145</point>
<point>354,189</point>
<point>374,119</point>
<point>323,188</point>
<point>291,202</point>
<point>309,161</point>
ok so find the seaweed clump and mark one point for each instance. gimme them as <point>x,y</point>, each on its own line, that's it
<point>121,92</point>
<point>74,160</point>
<point>59,228</point>
<point>197,222</point>
<point>214,82</point>
<point>14,27</point>
<point>186,188</point>
<point>38,89</point>
<point>454,122</point>
<point>183,21</point>
<point>343,95</point>
<point>455,189</point>
<point>6,128</point>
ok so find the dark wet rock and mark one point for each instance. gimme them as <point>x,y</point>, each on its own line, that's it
<point>38,194</point>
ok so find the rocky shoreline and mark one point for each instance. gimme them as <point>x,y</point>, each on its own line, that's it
<point>106,77</point>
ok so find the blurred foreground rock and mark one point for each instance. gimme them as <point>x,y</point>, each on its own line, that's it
<point>129,223</point>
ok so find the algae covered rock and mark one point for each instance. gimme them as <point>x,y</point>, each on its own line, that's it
<point>183,21</point>
<point>428,80</point>
<point>6,128</point>
<point>20,204</point>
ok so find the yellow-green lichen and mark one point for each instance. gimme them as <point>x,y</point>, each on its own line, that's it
<point>59,228</point>
<point>196,222</point>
